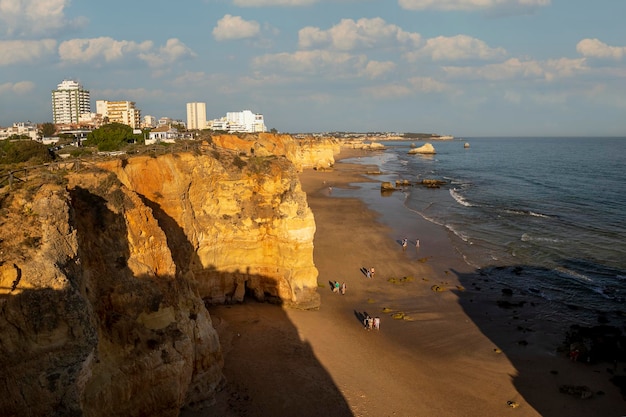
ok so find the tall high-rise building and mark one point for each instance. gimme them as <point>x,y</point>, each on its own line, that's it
<point>123,112</point>
<point>69,101</point>
<point>196,115</point>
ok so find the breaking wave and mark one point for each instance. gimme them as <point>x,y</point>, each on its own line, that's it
<point>459,199</point>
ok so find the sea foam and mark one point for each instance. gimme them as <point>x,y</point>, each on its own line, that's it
<point>459,199</point>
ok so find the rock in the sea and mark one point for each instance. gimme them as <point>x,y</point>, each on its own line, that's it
<point>578,391</point>
<point>426,149</point>
<point>432,183</point>
<point>387,186</point>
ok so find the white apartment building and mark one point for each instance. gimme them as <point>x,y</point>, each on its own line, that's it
<point>123,112</point>
<point>196,115</point>
<point>244,121</point>
<point>20,129</point>
<point>69,101</point>
<point>92,120</point>
<point>149,121</point>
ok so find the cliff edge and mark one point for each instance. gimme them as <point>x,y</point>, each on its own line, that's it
<point>105,272</point>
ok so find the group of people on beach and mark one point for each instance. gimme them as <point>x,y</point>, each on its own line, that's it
<point>339,288</point>
<point>371,323</point>
<point>405,243</point>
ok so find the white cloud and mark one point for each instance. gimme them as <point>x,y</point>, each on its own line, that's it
<point>19,52</point>
<point>594,48</point>
<point>105,49</point>
<point>234,27</point>
<point>512,97</point>
<point>470,5</point>
<point>262,3</point>
<point>510,69</point>
<point>350,34</point>
<point>27,17</point>
<point>427,85</point>
<point>318,62</point>
<point>388,91</point>
<point>414,85</point>
<point>376,69</point>
<point>99,49</point>
<point>173,50</point>
<point>134,94</point>
<point>19,88</point>
<point>514,68</point>
<point>459,47</point>
<point>564,68</point>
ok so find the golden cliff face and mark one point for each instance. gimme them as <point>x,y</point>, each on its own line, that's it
<point>103,280</point>
<point>230,222</point>
<point>309,152</point>
<point>93,320</point>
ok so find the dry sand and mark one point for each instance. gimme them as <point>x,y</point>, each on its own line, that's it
<point>455,352</point>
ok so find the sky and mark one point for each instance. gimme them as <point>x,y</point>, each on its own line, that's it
<point>459,67</point>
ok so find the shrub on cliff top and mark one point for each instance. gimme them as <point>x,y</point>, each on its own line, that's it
<point>15,152</point>
<point>111,137</point>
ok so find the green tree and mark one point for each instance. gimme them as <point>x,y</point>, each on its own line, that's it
<point>48,129</point>
<point>24,151</point>
<point>110,137</point>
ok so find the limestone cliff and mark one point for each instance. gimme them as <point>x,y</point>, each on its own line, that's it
<point>104,275</point>
<point>307,152</point>
<point>230,222</point>
<point>83,332</point>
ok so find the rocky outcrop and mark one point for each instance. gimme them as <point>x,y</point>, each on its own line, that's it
<point>362,144</point>
<point>230,221</point>
<point>309,152</point>
<point>426,149</point>
<point>104,282</point>
<point>387,186</point>
<point>84,333</point>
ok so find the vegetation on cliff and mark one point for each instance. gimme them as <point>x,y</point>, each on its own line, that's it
<point>21,151</point>
<point>111,137</point>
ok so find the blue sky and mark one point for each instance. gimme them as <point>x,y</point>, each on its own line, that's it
<point>460,67</point>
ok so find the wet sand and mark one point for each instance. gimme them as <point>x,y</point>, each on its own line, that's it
<point>453,352</point>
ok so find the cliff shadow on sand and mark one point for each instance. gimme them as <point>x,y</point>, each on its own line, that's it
<point>539,343</point>
<point>284,378</point>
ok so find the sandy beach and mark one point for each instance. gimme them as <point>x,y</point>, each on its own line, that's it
<point>452,352</point>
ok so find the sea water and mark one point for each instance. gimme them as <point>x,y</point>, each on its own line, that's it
<point>543,216</point>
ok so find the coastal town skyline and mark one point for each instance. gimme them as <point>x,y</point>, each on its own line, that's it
<point>459,67</point>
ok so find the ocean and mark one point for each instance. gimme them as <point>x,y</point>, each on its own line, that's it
<point>545,217</point>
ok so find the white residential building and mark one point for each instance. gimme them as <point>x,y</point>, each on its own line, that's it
<point>69,101</point>
<point>163,133</point>
<point>244,121</point>
<point>123,112</point>
<point>20,129</point>
<point>149,121</point>
<point>196,115</point>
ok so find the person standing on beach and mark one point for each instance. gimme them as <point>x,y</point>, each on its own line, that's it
<point>343,289</point>
<point>371,272</point>
<point>404,243</point>
<point>417,243</point>
<point>377,323</point>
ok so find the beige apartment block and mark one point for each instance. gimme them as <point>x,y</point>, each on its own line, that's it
<point>123,112</point>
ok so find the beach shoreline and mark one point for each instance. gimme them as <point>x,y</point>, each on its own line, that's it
<point>450,351</point>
